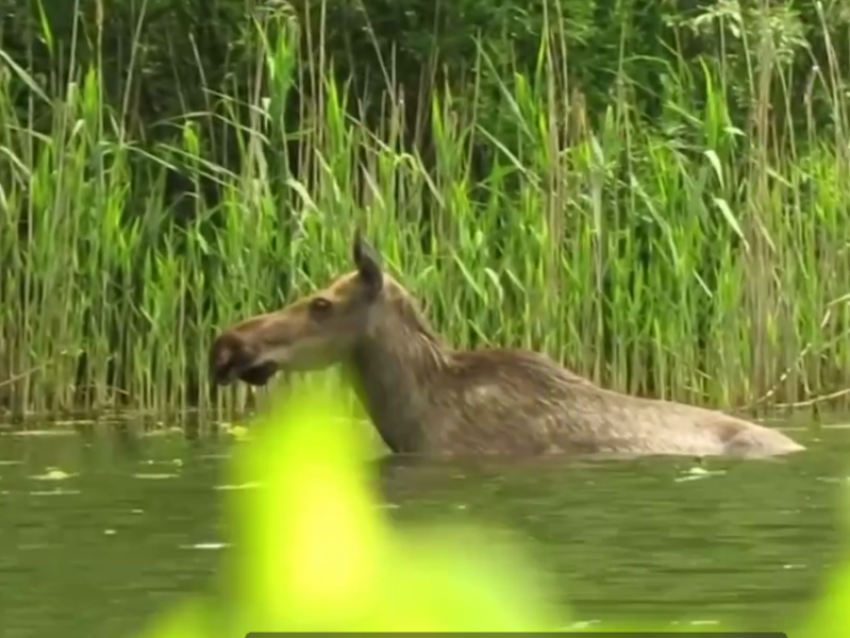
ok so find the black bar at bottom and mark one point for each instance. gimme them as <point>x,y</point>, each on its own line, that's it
<point>572,634</point>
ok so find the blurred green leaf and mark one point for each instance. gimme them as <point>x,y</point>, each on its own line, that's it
<point>314,552</point>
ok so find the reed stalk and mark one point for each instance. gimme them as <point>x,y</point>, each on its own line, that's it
<point>695,261</point>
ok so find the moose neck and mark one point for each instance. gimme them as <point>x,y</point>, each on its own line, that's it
<point>395,371</point>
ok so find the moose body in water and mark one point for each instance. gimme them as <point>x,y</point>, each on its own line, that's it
<point>426,398</point>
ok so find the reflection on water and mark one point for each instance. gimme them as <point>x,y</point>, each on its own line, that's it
<point>101,530</point>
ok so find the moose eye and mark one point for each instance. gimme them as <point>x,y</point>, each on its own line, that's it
<point>320,306</point>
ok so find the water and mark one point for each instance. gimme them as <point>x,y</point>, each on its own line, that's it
<point>137,526</point>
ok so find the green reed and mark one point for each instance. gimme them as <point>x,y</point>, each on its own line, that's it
<point>694,261</point>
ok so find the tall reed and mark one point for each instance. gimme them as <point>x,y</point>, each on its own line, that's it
<point>694,261</point>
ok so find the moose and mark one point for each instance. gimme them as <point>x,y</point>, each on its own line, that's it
<point>426,398</point>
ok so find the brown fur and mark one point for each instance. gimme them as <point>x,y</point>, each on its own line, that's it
<point>426,398</point>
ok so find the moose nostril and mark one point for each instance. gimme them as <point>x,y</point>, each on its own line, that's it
<point>223,373</point>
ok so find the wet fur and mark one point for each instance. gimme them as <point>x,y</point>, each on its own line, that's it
<point>425,397</point>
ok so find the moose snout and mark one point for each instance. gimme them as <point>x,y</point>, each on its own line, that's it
<point>227,356</point>
<point>233,357</point>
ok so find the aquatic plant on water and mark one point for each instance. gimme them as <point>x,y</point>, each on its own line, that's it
<point>314,551</point>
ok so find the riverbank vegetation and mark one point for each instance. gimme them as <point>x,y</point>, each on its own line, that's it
<point>667,220</point>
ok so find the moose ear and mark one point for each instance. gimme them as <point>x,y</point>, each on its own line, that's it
<point>368,263</point>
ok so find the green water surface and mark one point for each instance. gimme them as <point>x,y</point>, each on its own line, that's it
<point>138,525</point>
